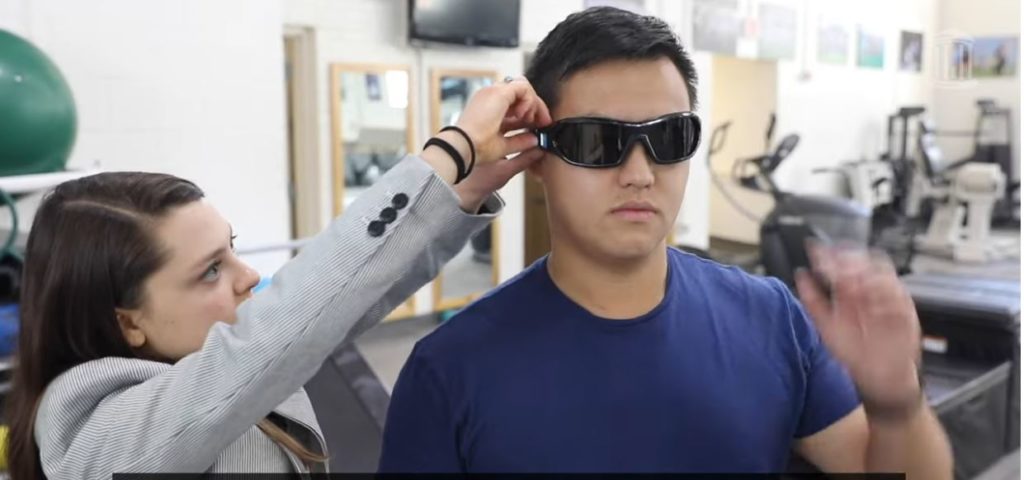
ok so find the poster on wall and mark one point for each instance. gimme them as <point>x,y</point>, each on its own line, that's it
<point>870,48</point>
<point>716,26</point>
<point>994,57</point>
<point>911,47</point>
<point>776,39</point>
<point>635,6</point>
<point>833,42</point>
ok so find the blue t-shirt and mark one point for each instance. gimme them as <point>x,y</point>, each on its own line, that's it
<point>723,375</point>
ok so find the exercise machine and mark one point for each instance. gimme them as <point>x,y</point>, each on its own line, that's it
<point>884,187</point>
<point>873,185</point>
<point>994,145</point>
<point>867,182</point>
<point>898,155</point>
<point>795,219</point>
<point>974,321</point>
<point>913,170</point>
<point>969,191</point>
<point>955,203</point>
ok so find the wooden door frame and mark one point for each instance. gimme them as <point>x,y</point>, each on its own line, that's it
<point>441,303</point>
<point>304,143</point>
<point>408,308</point>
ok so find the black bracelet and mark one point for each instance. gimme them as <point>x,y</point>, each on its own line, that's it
<point>472,148</point>
<point>460,164</point>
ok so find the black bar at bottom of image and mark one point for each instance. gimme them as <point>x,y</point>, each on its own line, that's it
<point>511,476</point>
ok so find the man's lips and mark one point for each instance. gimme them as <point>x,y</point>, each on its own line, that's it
<point>635,211</point>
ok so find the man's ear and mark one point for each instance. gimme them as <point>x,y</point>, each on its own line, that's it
<point>128,320</point>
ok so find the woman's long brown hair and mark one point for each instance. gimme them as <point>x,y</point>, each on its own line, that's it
<point>89,252</point>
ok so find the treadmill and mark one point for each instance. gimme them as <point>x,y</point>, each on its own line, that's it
<point>970,400</point>
<point>971,366</point>
<point>968,324</point>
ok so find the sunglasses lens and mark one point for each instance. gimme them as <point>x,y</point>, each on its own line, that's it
<point>674,139</point>
<point>600,143</point>
<point>589,144</point>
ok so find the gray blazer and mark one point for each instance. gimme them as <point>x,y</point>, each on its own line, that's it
<point>199,414</point>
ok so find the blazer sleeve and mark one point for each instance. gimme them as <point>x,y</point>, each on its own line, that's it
<point>128,415</point>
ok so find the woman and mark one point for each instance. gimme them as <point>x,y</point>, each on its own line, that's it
<point>143,350</point>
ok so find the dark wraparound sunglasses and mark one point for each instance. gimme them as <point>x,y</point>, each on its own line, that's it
<point>602,142</point>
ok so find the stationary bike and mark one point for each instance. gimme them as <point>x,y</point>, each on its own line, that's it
<point>795,219</point>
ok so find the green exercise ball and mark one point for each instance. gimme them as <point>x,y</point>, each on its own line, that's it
<point>37,111</point>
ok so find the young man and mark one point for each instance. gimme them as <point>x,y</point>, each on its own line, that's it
<point>616,353</point>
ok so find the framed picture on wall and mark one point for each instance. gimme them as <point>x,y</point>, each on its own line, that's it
<point>994,56</point>
<point>911,47</point>
<point>870,48</point>
<point>833,41</point>
<point>776,39</point>
<point>716,26</point>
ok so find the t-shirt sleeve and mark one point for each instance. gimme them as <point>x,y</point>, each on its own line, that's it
<point>830,393</point>
<point>420,434</point>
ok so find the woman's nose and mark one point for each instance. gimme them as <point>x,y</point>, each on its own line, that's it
<point>248,280</point>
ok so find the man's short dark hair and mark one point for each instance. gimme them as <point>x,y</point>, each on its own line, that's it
<point>601,34</point>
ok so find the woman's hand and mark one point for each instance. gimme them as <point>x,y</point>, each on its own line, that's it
<point>489,116</point>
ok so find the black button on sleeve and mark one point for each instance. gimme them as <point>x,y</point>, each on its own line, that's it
<point>400,201</point>
<point>376,228</point>
<point>388,215</point>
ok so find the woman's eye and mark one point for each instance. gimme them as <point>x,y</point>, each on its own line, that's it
<point>212,274</point>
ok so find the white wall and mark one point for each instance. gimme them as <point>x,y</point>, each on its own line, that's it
<point>744,93</point>
<point>694,222</point>
<point>954,107</point>
<point>840,111</point>
<point>193,88</point>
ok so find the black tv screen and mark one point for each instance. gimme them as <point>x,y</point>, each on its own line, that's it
<point>492,23</point>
